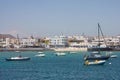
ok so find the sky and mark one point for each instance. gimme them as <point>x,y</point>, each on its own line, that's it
<point>59,17</point>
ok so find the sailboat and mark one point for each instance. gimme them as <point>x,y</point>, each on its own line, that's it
<point>100,47</point>
<point>97,55</point>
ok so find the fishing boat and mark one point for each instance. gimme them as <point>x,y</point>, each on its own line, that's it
<point>97,55</point>
<point>18,58</point>
<point>96,62</point>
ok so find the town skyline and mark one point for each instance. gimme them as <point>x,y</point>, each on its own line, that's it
<point>50,18</point>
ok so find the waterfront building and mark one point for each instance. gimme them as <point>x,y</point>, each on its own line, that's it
<point>59,41</point>
<point>105,42</point>
<point>28,42</point>
<point>6,40</point>
<point>78,42</point>
<point>114,42</point>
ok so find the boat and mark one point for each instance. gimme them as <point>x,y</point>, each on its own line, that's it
<point>40,54</point>
<point>17,51</point>
<point>60,54</point>
<point>72,52</point>
<point>96,62</point>
<point>18,58</point>
<point>97,55</point>
<point>113,56</point>
<point>101,47</point>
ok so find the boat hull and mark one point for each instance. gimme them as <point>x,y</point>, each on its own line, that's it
<point>102,62</point>
<point>21,59</point>
<point>96,58</point>
<point>113,56</point>
<point>40,55</point>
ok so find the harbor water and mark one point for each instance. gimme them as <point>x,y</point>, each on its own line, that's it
<point>52,67</point>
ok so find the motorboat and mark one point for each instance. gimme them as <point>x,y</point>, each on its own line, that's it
<point>113,56</point>
<point>60,54</point>
<point>96,62</point>
<point>40,54</point>
<point>19,58</point>
<point>17,51</point>
<point>72,52</point>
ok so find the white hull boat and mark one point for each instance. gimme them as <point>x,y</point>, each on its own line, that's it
<point>19,58</point>
<point>60,54</point>
<point>96,62</point>
<point>41,55</point>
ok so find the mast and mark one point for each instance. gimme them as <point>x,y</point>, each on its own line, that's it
<point>100,31</point>
<point>98,38</point>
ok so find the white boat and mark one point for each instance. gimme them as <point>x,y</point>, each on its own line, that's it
<point>72,52</point>
<point>17,51</point>
<point>19,58</point>
<point>60,54</point>
<point>113,56</point>
<point>96,62</point>
<point>40,52</point>
<point>41,55</point>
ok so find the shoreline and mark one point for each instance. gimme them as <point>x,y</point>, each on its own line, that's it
<point>25,49</point>
<point>43,49</point>
<point>49,49</point>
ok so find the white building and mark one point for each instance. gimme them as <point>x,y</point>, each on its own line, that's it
<point>6,40</point>
<point>59,41</point>
<point>78,42</point>
<point>28,42</point>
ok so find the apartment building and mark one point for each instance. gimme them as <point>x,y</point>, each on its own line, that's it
<point>59,41</point>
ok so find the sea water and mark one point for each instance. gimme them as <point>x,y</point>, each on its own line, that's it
<point>52,67</point>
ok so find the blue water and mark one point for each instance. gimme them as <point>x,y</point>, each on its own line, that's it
<point>51,67</point>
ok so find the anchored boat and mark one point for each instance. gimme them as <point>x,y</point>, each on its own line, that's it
<point>98,55</point>
<point>18,58</point>
<point>96,62</point>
